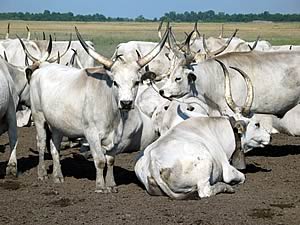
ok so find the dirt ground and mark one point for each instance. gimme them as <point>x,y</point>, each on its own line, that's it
<point>270,195</point>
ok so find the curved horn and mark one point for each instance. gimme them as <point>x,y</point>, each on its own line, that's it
<point>28,33</point>
<point>5,56</point>
<point>44,36</point>
<point>214,53</point>
<point>159,28</point>
<point>49,49</point>
<point>32,58</point>
<point>53,59</point>
<point>196,29</point>
<point>58,58</point>
<point>7,34</point>
<point>101,59</point>
<point>188,55</point>
<point>26,60</point>
<point>228,95</point>
<point>250,92</point>
<point>254,45</point>
<point>151,55</point>
<point>72,60</point>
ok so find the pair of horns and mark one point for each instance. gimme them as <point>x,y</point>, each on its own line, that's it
<point>46,56</point>
<point>108,63</point>
<point>245,109</point>
<point>220,50</point>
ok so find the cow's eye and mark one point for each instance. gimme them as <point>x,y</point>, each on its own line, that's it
<point>116,84</point>
<point>178,79</point>
<point>257,125</point>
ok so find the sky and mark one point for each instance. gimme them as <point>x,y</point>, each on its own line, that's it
<point>149,8</point>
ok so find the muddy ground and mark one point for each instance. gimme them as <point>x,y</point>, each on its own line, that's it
<point>271,194</point>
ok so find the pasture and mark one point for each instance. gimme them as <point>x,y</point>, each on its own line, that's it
<point>107,35</point>
<point>270,195</point>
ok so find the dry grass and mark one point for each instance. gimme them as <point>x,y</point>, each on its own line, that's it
<point>107,35</point>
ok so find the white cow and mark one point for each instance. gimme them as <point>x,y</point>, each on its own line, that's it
<point>194,156</point>
<point>288,124</point>
<point>85,103</point>
<point>14,90</point>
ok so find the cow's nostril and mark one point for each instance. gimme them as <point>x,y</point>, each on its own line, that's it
<point>161,92</point>
<point>126,104</point>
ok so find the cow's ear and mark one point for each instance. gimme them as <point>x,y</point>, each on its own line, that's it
<point>191,77</point>
<point>30,69</point>
<point>240,127</point>
<point>148,75</point>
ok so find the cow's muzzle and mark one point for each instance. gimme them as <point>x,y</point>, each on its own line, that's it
<point>127,105</point>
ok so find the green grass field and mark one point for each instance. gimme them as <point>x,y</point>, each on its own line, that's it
<point>107,35</point>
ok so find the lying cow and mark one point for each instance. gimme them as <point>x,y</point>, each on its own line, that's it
<point>194,156</point>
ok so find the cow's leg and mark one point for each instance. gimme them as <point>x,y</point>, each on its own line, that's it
<point>205,189</point>
<point>238,159</point>
<point>11,168</point>
<point>110,179</point>
<point>55,146</point>
<point>232,175</point>
<point>41,137</point>
<point>94,140</point>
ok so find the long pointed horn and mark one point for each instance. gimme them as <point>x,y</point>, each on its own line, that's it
<point>79,64</point>
<point>151,55</point>
<point>49,49</point>
<point>72,60</point>
<point>228,95</point>
<point>53,59</point>
<point>58,58</point>
<point>254,44</point>
<point>222,31</point>
<point>44,36</point>
<point>101,59</point>
<point>250,93</point>
<point>26,60</point>
<point>7,34</point>
<point>5,56</point>
<point>28,33</point>
<point>214,53</point>
<point>159,28</point>
<point>32,58</point>
<point>196,31</point>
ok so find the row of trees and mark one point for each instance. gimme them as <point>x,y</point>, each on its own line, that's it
<point>208,16</point>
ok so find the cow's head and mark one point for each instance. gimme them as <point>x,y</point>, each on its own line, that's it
<point>180,81</point>
<point>252,133</point>
<point>126,75</point>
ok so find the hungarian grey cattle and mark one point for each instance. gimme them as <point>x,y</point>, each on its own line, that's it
<point>14,90</point>
<point>85,103</point>
<point>288,124</point>
<point>193,157</point>
<point>206,79</point>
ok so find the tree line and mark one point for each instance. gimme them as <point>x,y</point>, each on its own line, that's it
<point>207,16</point>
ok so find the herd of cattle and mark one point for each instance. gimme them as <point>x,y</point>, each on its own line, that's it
<point>185,105</point>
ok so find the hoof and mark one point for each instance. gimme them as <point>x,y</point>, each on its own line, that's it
<point>113,189</point>
<point>106,190</point>
<point>11,170</point>
<point>58,180</point>
<point>42,178</point>
<point>229,189</point>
